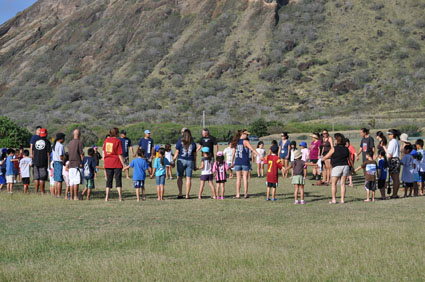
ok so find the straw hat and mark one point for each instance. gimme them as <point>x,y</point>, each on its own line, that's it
<point>297,154</point>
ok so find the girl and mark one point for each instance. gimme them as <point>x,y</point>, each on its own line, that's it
<point>352,158</point>
<point>284,152</point>
<point>159,168</point>
<point>314,154</point>
<point>169,156</point>
<point>65,173</point>
<point>219,168</point>
<point>416,178</point>
<point>292,149</point>
<point>259,159</point>
<point>206,172</point>
<point>382,172</point>
<point>408,170</point>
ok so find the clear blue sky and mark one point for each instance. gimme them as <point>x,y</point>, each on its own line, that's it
<point>9,8</point>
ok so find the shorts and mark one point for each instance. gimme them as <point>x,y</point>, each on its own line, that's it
<point>283,156</point>
<point>26,180</point>
<point>260,162</point>
<point>341,170</point>
<point>40,173</point>
<point>160,180</point>
<point>207,177</point>
<point>10,179</point>
<point>405,184</point>
<point>370,185</point>
<point>184,167</point>
<point>221,181</point>
<point>138,184</point>
<point>394,166</point>
<point>127,160</point>
<point>271,185</point>
<point>2,179</point>
<point>57,171</point>
<point>242,167</point>
<point>381,183</point>
<point>89,183</point>
<point>110,174</point>
<point>314,161</point>
<point>298,180</point>
<point>74,176</point>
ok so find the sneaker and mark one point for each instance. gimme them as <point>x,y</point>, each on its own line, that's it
<point>274,199</point>
<point>268,199</point>
<point>302,202</point>
<point>296,202</point>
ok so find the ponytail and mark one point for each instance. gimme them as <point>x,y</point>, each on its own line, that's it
<point>161,152</point>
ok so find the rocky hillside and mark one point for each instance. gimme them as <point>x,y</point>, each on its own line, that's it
<point>126,61</point>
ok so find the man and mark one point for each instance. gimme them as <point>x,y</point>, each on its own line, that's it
<point>76,156</point>
<point>208,141</point>
<point>367,144</point>
<point>126,147</point>
<point>41,159</point>
<point>34,138</point>
<point>146,143</point>
<point>58,157</point>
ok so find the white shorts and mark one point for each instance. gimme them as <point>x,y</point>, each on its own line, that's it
<point>74,176</point>
<point>342,170</point>
<point>9,179</point>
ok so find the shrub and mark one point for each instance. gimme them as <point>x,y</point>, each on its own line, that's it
<point>401,54</point>
<point>273,73</point>
<point>411,130</point>
<point>12,135</point>
<point>295,74</point>
<point>155,83</point>
<point>377,6</point>
<point>411,43</point>
<point>420,23</point>
<point>259,127</point>
<point>399,22</point>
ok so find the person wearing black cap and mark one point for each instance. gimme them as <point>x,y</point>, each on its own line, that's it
<point>58,157</point>
<point>126,148</point>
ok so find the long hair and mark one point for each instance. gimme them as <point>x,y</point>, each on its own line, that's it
<point>381,135</point>
<point>209,156</point>
<point>161,152</point>
<point>260,143</point>
<point>187,139</point>
<point>396,133</point>
<point>340,139</point>
<point>113,132</point>
<point>236,138</point>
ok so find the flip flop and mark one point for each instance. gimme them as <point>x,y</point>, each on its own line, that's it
<point>332,203</point>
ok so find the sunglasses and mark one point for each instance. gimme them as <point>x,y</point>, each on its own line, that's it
<point>325,133</point>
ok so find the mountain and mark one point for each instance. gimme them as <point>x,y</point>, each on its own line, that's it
<point>121,62</point>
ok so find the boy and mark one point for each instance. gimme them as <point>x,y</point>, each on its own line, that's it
<point>370,169</point>
<point>299,173</point>
<point>408,169</point>
<point>24,166</point>
<point>228,157</point>
<point>89,166</point>
<point>139,165</point>
<point>421,157</point>
<point>273,166</point>
<point>10,174</point>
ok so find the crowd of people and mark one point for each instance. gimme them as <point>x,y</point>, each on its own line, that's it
<point>331,158</point>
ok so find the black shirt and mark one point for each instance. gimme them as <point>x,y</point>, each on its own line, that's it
<point>340,156</point>
<point>42,148</point>
<point>209,142</point>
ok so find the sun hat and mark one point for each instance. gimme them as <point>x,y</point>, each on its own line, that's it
<point>43,132</point>
<point>274,149</point>
<point>314,135</point>
<point>414,153</point>
<point>246,132</point>
<point>303,144</point>
<point>404,137</point>
<point>219,153</point>
<point>147,131</point>
<point>297,154</point>
<point>205,149</point>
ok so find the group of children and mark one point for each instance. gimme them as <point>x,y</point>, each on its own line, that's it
<point>15,168</point>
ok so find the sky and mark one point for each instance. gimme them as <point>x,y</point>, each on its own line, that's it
<point>9,8</point>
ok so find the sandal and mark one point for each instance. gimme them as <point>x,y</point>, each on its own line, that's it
<point>332,203</point>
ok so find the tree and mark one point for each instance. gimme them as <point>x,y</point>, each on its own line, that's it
<point>13,135</point>
<point>259,127</point>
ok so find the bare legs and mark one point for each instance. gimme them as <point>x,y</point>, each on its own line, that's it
<point>327,171</point>
<point>220,185</point>
<point>334,188</point>
<point>39,184</point>
<point>299,188</point>
<point>180,185</point>
<point>119,194</point>
<point>159,192</point>
<point>58,189</point>
<point>239,175</point>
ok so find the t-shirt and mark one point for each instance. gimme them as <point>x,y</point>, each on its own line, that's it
<point>139,166</point>
<point>422,161</point>
<point>408,168</point>
<point>75,150</point>
<point>207,169</point>
<point>298,166</point>
<point>169,156</point>
<point>34,138</point>
<point>315,149</point>
<point>228,152</point>
<point>370,168</point>
<point>220,171</point>
<point>260,154</point>
<point>353,152</point>
<point>9,165</point>
<point>273,167</point>
<point>367,144</point>
<point>42,150</point>
<point>147,145</point>
<point>112,148</point>
<point>383,168</point>
<point>160,169</point>
<point>89,165</point>
<point>394,148</point>
<point>186,154</point>
<point>208,142</point>
<point>24,165</point>
<point>58,151</point>
<point>340,156</point>
<point>97,157</point>
<point>126,144</point>
<point>304,153</point>
<point>284,148</point>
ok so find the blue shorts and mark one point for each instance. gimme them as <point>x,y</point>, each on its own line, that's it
<point>160,180</point>
<point>421,176</point>
<point>241,167</point>
<point>57,171</point>
<point>283,155</point>
<point>138,184</point>
<point>184,167</point>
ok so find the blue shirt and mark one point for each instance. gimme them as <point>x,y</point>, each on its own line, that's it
<point>186,154</point>
<point>9,166</point>
<point>147,145</point>
<point>89,165</point>
<point>160,169</point>
<point>34,138</point>
<point>383,169</point>
<point>126,144</point>
<point>139,166</point>
<point>284,148</point>
<point>241,154</point>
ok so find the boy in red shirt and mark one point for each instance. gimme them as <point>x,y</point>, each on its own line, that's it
<point>273,167</point>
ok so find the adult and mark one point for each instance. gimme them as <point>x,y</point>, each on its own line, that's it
<point>146,143</point>
<point>186,162</point>
<point>404,139</point>
<point>41,160</point>
<point>284,152</point>
<point>393,156</point>
<point>327,146</point>
<point>113,162</point>
<point>58,158</point>
<point>382,141</point>
<point>34,138</point>
<point>241,160</point>
<point>76,156</point>
<point>339,156</point>
<point>314,154</point>
<point>366,144</point>
<point>126,148</point>
<point>208,141</point>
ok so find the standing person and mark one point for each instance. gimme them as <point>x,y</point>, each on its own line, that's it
<point>89,166</point>
<point>3,167</point>
<point>41,160</point>
<point>240,160</point>
<point>304,151</point>
<point>97,159</point>
<point>393,156</point>
<point>421,153</point>
<point>328,145</point>
<point>352,158</point>
<point>382,173</point>
<point>126,148</point>
<point>273,166</point>
<point>206,172</point>
<point>370,168</point>
<point>340,161</point>
<point>58,158</point>
<point>16,171</point>
<point>65,174</point>
<point>228,154</point>
<point>146,143</point>
<point>298,175</point>
<point>260,159</point>
<point>208,141</point>
<point>139,165</point>
<point>10,175</point>
<point>34,138</point>
<point>366,144</point>
<point>382,141</point>
<point>113,162</point>
<point>169,156</point>
<point>408,170</point>
<point>219,168</point>
<point>159,167</point>
<point>24,165</point>
<point>416,178</point>
<point>284,152</point>
<point>76,156</point>
<point>186,160</point>
<point>315,154</point>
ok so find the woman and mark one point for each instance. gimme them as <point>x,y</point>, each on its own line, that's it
<point>284,152</point>
<point>393,156</point>
<point>113,162</point>
<point>314,154</point>
<point>340,161</point>
<point>382,141</point>
<point>328,145</point>
<point>186,160</point>
<point>240,160</point>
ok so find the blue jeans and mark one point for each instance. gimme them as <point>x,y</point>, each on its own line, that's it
<point>57,171</point>
<point>184,166</point>
<point>241,167</point>
<point>160,180</point>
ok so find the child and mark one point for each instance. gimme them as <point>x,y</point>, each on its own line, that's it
<point>16,171</point>
<point>156,151</point>
<point>97,158</point>
<point>159,167</point>
<point>299,173</point>
<point>370,169</point>
<point>206,172</point>
<point>227,153</point>
<point>260,159</point>
<point>382,172</point>
<point>273,166</point>
<point>89,167</point>
<point>219,168</point>
<point>416,177</point>
<point>408,169</point>
<point>169,156</point>
<point>10,175</point>
<point>24,166</point>
<point>304,151</point>
<point>3,167</point>
<point>139,165</point>
<point>51,176</point>
<point>292,149</point>
<point>65,173</point>
<point>353,152</point>
<point>421,158</point>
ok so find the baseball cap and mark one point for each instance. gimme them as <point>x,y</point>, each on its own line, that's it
<point>43,132</point>
<point>123,132</point>
<point>414,153</point>
<point>303,144</point>
<point>274,149</point>
<point>60,135</point>
<point>147,131</point>
<point>205,149</point>
<point>219,153</point>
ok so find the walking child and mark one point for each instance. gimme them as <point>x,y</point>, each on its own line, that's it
<point>206,172</point>
<point>299,173</point>
<point>24,166</point>
<point>169,156</point>
<point>260,159</point>
<point>274,165</point>
<point>139,165</point>
<point>219,168</point>
<point>10,175</point>
<point>89,167</point>
<point>382,172</point>
<point>159,168</point>
<point>370,169</point>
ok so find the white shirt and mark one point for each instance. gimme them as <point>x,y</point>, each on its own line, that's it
<point>228,154</point>
<point>24,165</point>
<point>58,152</point>
<point>207,170</point>
<point>260,155</point>
<point>393,149</point>
<point>169,156</point>
<point>292,155</point>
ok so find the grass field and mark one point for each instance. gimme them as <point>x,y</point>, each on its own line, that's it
<point>48,239</point>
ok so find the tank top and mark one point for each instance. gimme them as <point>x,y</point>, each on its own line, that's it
<point>326,147</point>
<point>241,154</point>
<point>207,170</point>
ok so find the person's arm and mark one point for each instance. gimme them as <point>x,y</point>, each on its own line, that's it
<point>176,155</point>
<point>216,147</point>
<point>31,151</point>
<point>202,166</point>
<point>329,154</point>
<point>233,157</point>
<point>152,173</point>
<point>247,144</point>
<point>198,148</point>
<point>122,160</point>
<point>130,148</point>
<point>126,167</point>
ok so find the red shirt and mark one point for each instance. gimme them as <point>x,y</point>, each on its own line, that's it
<point>273,167</point>
<point>112,148</point>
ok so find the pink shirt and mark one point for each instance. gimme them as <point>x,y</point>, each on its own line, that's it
<point>314,150</point>
<point>220,171</point>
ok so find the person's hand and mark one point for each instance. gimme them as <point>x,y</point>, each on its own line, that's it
<point>151,176</point>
